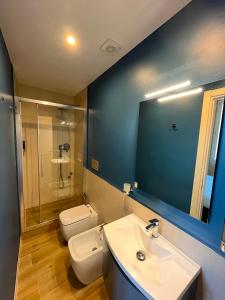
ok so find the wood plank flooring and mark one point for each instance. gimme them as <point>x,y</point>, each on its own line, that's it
<point>44,271</point>
<point>49,211</point>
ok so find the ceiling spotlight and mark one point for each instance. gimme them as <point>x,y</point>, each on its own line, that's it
<point>71,40</point>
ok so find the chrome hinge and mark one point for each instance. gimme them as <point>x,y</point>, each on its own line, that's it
<point>13,108</point>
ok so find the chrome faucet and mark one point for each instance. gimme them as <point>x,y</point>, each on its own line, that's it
<point>154,225</point>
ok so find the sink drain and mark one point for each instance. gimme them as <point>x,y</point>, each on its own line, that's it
<point>140,255</point>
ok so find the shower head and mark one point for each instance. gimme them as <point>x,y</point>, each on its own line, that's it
<point>65,147</point>
<point>61,116</point>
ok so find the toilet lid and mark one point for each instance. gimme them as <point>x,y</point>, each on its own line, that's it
<point>74,214</point>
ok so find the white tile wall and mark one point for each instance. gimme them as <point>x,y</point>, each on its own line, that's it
<point>111,204</point>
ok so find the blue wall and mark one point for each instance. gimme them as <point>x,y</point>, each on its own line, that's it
<point>9,209</point>
<point>189,46</point>
<point>161,150</point>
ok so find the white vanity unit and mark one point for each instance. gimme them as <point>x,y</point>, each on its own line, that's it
<point>152,267</point>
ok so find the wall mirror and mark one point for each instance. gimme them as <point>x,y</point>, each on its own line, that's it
<point>177,146</point>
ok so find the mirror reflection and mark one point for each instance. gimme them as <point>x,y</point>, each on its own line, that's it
<point>178,140</point>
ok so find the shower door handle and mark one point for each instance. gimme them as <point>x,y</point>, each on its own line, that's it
<point>41,166</point>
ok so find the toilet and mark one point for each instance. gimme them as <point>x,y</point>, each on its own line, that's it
<point>86,254</point>
<point>76,220</point>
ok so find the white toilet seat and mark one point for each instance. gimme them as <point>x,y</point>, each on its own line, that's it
<point>76,220</point>
<point>74,214</point>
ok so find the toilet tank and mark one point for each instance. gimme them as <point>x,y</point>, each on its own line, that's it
<point>76,220</point>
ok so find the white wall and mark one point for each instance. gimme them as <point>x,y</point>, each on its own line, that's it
<point>111,204</point>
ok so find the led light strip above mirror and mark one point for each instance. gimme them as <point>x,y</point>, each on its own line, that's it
<point>172,88</point>
<point>182,94</point>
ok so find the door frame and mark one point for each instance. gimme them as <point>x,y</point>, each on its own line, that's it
<point>210,99</point>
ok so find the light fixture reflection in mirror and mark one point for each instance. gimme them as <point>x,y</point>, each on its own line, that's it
<point>180,95</point>
<point>172,88</point>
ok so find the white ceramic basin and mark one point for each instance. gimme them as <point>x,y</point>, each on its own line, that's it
<point>86,251</point>
<point>166,273</point>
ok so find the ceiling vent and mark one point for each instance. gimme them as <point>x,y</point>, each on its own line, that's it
<point>110,47</point>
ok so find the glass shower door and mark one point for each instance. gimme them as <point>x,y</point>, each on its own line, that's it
<point>29,143</point>
<point>60,155</point>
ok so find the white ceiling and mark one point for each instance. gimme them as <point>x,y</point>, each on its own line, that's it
<point>35,30</point>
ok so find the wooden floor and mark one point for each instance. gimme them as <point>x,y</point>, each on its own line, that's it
<point>44,271</point>
<point>49,211</point>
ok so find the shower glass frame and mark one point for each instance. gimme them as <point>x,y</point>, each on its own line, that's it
<point>19,141</point>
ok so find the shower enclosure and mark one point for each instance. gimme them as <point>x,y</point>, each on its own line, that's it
<point>50,148</point>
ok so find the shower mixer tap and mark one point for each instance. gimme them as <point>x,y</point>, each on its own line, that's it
<point>63,147</point>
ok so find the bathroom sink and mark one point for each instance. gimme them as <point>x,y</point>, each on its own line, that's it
<point>164,271</point>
